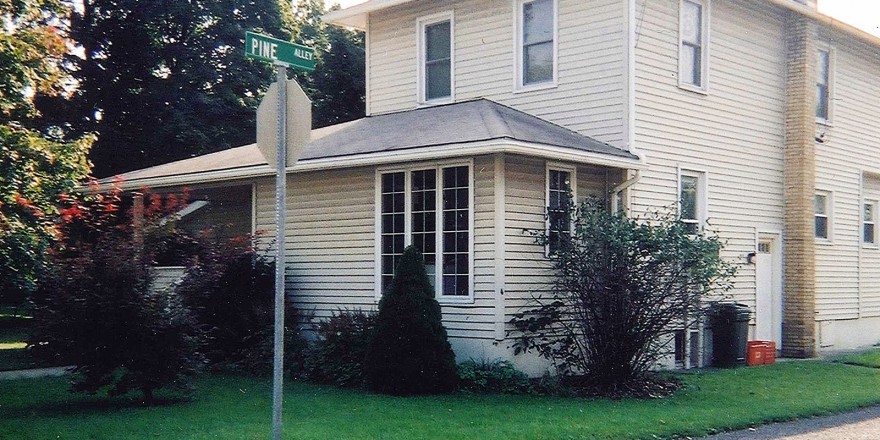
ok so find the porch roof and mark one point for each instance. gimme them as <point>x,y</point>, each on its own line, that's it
<point>466,128</point>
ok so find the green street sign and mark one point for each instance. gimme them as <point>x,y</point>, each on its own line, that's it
<point>278,51</point>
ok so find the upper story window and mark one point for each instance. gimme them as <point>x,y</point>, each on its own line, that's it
<point>693,57</point>
<point>436,58</point>
<point>692,200</point>
<point>430,208</point>
<point>822,208</point>
<point>560,192</point>
<point>823,85</point>
<point>536,43</point>
<point>869,221</point>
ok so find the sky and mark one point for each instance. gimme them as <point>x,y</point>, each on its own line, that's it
<point>863,14</point>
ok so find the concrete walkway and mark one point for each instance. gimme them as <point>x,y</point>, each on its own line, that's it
<point>863,424</point>
<point>34,373</point>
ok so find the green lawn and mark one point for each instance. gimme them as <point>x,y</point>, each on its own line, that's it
<point>13,332</point>
<point>870,359</point>
<point>238,408</point>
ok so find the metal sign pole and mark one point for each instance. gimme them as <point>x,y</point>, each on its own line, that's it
<point>280,220</point>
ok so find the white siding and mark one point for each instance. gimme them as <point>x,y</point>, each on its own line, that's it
<point>733,133</point>
<point>528,271</point>
<point>851,145</point>
<point>589,96</point>
<point>870,258</point>
<point>330,244</point>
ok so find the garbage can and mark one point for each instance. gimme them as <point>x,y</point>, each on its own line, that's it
<point>730,332</point>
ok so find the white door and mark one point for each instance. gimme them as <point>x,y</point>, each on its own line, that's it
<point>768,305</point>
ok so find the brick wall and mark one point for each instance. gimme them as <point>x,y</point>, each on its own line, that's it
<point>798,323</point>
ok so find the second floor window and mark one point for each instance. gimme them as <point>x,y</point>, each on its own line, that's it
<point>692,61</point>
<point>823,85</point>
<point>435,55</point>
<point>536,21</point>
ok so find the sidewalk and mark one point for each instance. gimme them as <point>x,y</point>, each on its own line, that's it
<point>863,424</point>
<point>34,373</point>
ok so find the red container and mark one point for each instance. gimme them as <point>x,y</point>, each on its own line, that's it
<point>755,353</point>
<point>761,353</point>
<point>770,353</point>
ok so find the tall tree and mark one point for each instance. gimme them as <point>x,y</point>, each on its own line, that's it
<point>160,80</point>
<point>35,168</point>
<point>337,87</point>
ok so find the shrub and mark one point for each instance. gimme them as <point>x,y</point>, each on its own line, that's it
<point>231,292</point>
<point>497,376</point>
<point>94,308</point>
<point>337,356</point>
<point>409,352</point>
<point>622,286</point>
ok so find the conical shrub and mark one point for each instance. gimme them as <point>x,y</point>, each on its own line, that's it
<point>410,352</point>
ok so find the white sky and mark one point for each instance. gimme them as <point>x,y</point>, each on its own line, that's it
<point>864,14</point>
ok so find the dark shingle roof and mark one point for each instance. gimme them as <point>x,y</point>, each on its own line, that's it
<point>460,123</point>
<point>452,124</point>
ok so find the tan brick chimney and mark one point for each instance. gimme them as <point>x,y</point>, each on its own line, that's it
<point>799,320</point>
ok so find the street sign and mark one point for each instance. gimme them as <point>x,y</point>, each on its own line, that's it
<point>280,52</point>
<point>299,123</point>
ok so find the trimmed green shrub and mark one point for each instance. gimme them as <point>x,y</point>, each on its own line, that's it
<point>337,356</point>
<point>231,293</point>
<point>498,376</point>
<point>409,352</point>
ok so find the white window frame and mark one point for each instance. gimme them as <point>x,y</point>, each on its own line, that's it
<point>829,216</point>
<point>408,170</point>
<point>704,47</point>
<point>874,204</point>
<point>702,195</point>
<point>421,24</point>
<point>518,82</point>
<point>831,69</point>
<point>556,166</point>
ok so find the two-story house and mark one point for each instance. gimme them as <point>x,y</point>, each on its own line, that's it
<point>758,119</point>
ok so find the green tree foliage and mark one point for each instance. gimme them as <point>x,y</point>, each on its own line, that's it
<point>410,353</point>
<point>622,287</point>
<point>35,168</point>
<point>337,87</point>
<point>95,308</point>
<point>162,80</point>
<point>337,354</point>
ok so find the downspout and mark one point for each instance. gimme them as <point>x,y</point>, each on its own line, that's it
<point>629,120</point>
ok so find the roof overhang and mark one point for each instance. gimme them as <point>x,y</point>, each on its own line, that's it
<point>506,146</point>
<point>356,16</point>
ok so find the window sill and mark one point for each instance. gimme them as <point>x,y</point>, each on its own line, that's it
<point>436,102</point>
<point>872,246</point>
<point>824,241</point>
<point>455,301</point>
<point>693,89</point>
<point>827,123</point>
<point>536,87</point>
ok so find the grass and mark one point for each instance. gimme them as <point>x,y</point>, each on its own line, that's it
<point>13,333</point>
<point>870,359</point>
<point>231,407</point>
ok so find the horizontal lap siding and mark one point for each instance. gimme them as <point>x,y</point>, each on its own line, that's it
<point>528,272</point>
<point>588,99</point>
<point>870,262</point>
<point>330,244</point>
<point>734,132</point>
<point>851,145</point>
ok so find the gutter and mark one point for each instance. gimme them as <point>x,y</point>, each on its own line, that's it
<point>828,21</point>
